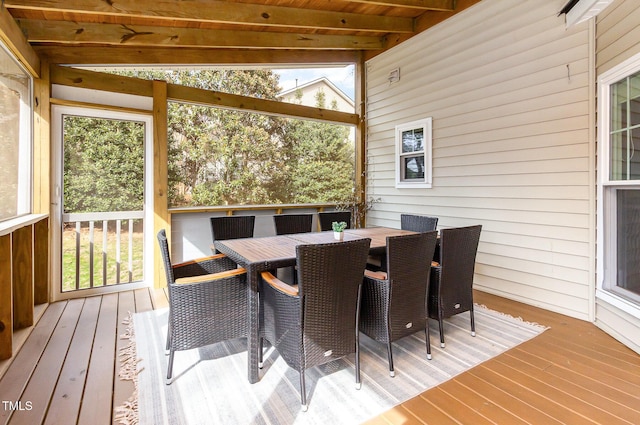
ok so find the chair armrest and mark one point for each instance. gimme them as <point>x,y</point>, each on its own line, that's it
<point>210,277</point>
<point>199,260</point>
<point>279,285</point>
<point>378,275</point>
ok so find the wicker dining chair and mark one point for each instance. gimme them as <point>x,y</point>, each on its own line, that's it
<point>418,223</point>
<point>326,218</point>
<point>316,321</point>
<point>287,224</point>
<point>232,227</point>
<point>394,303</point>
<point>412,222</point>
<point>451,288</point>
<point>207,301</point>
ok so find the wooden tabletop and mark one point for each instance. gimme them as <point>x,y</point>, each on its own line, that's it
<point>282,248</point>
<point>378,235</point>
<point>253,250</point>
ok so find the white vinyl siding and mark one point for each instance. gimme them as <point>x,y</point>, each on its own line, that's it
<point>617,40</point>
<point>508,88</point>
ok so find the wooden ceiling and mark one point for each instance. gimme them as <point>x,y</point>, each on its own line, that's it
<point>222,31</point>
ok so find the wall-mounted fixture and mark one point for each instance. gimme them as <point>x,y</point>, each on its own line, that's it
<point>394,75</point>
<point>578,11</point>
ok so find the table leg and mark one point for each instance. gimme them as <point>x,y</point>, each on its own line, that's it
<point>253,343</point>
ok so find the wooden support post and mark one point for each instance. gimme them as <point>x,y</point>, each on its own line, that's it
<point>160,173</point>
<point>41,261</point>
<point>22,262</point>
<point>361,135</point>
<point>6,298</point>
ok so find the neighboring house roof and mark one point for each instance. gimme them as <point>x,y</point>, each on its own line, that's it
<point>309,89</point>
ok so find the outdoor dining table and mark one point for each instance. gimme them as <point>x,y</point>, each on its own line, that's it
<point>271,252</point>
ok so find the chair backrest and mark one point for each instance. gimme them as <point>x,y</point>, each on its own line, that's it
<point>166,258</point>
<point>408,271</point>
<point>287,224</point>
<point>418,223</point>
<point>409,256</point>
<point>327,218</point>
<point>458,249</point>
<point>329,279</point>
<point>232,227</point>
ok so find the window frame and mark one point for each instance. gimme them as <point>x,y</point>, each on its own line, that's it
<point>426,125</point>
<point>25,143</point>
<point>607,288</point>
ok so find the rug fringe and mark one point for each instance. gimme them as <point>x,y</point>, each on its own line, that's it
<point>518,318</point>
<point>127,413</point>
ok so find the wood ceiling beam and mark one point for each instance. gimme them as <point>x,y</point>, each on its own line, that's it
<point>423,23</point>
<point>38,31</point>
<point>437,5</point>
<point>271,107</point>
<point>123,55</point>
<point>223,12</point>
<point>427,21</point>
<point>13,38</point>
<point>112,55</point>
<point>115,83</point>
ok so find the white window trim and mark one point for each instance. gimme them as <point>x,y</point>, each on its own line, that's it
<point>604,242</point>
<point>25,141</point>
<point>426,125</point>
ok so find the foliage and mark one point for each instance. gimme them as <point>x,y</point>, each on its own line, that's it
<point>324,160</point>
<point>104,165</point>
<point>358,204</point>
<point>216,156</point>
<point>339,226</point>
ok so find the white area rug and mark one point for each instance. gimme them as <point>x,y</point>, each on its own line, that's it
<point>210,384</point>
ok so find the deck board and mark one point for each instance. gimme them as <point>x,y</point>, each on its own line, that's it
<point>45,376</point>
<point>605,409</point>
<point>505,403</point>
<point>426,411</point>
<point>591,383</point>
<point>96,401</point>
<point>572,373</point>
<point>475,400</point>
<point>19,373</point>
<point>67,396</point>
<point>523,392</point>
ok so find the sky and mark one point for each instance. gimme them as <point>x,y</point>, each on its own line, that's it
<point>342,76</point>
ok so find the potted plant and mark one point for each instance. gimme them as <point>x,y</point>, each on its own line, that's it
<point>338,229</point>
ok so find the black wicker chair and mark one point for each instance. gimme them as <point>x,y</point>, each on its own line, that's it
<point>415,223</point>
<point>207,301</point>
<point>316,321</point>
<point>418,223</point>
<point>450,291</point>
<point>287,224</point>
<point>327,218</point>
<point>394,303</point>
<point>232,227</point>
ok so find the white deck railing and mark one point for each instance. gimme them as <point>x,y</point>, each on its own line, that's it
<point>85,243</point>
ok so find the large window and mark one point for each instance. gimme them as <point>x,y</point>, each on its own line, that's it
<point>15,137</point>
<point>619,189</point>
<point>229,157</point>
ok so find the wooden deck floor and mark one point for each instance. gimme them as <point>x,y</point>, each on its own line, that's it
<point>66,372</point>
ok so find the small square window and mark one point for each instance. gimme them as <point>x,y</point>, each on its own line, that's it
<point>413,154</point>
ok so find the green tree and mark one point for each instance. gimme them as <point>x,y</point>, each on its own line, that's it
<point>103,165</point>
<point>323,160</point>
<point>216,156</point>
